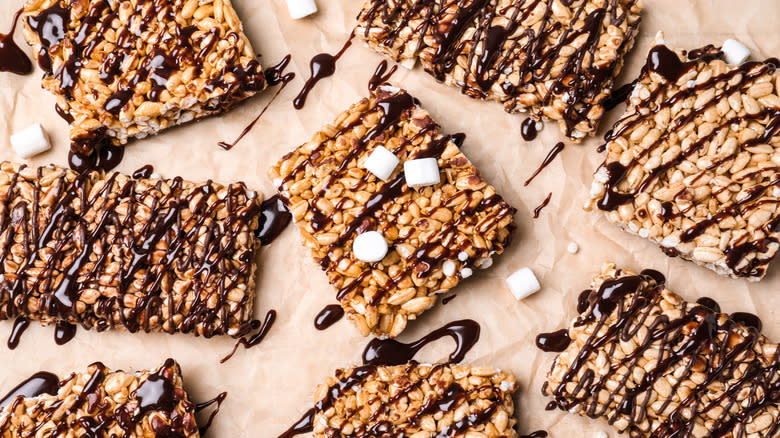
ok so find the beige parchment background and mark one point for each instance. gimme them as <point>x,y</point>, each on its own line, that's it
<point>271,385</point>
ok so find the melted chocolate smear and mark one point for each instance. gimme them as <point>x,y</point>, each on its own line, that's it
<point>143,172</point>
<point>541,206</point>
<point>64,332</point>
<point>20,325</point>
<point>618,96</point>
<point>50,25</point>
<point>201,406</point>
<point>39,383</point>
<point>12,58</point>
<point>464,332</point>
<point>274,218</point>
<point>655,275</point>
<point>322,66</point>
<point>262,330</point>
<point>274,75</point>
<point>528,129</point>
<point>304,425</point>
<point>458,139</point>
<point>666,63</point>
<point>381,75</point>
<point>105,158</point>
<point>709,303</point>
<point>63,114</point>
<point>748,320</point>
<point>547,160</point>
<point>328,316</point>
<point>555,341</point>
<point>155,393</point>
<point>446,300</point>
<point>537,434</point>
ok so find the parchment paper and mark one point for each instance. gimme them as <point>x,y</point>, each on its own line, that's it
<point>271,385</point>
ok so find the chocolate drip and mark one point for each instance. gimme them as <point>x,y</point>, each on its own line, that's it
<point>154,394</point>
<point>709,303</point>
<point>20,325</point>
<point>618,96</point>
<point>322,65</point>
<point>63,114</point>
<point>748,320</point>
<point>106,157</point>
<point>144,172</point>
<point>665,62</point>
<point>537,434</point>
<point>547,160</point>
<point>328,316</point>
<point>274,75</point>
<point>262,329</point>
<point>50,25</point>
<point>12,58</point>
<point>381,75</point>
<point>39,383</point>
<point>64,332</point>
<point>555,341</point>
<point>528,129</point>
<point>274,218</point>
<point>201,406</point>
<point>464,332</point>
<point>541,206</point>
<point>446,300</point>
<point>304,425</point>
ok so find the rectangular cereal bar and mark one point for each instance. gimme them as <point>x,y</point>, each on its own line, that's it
<point>557,59</point>
<point>130,69</point>
<point>101,402</point>
<point>435,234</point>
<point>110,251</point>
<point>416,400</point>
<point>654,365</point>
<point>693,164</point>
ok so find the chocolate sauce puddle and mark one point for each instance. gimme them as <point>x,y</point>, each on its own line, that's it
<point>381,75</point>
<point>528,129</point>
<point>39,383</point>
<point>464,332</point>
<point>556,341</point>
<point>106,157</point>
<point>328,316</point>
<point>12,58</point>
<point>273,75</point>
<point>274,218</point>
<point>541,206</point>
<point>322,65</point>
<point>20,325</point>
<point>547,160</point>
<point>64,332</point>
<point>143,172</point>
<point>262,330</point>
<point>201,406</point>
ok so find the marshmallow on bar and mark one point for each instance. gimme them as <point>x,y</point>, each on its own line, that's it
<point>30,141</point>
<point>653,365</point>
<point>416,400</point>
<point>735,52</point>
<point>435,232</point>
<point>382,163</point>
<point>101,402</point>
<point>693,163</point>
<point>554,58</point>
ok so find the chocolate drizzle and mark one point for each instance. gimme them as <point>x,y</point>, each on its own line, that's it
<point>328,316</point>
<point>541,206</point>
<point>20,325</point>
<point>39,383</point>
<point>144,172</point>
<point>464,332</point>
<point>64,332</point>
<point>618,96</point>
<point>105,157</point>
<point>201,406</point>
<point>274,218</point>
<point>528,129</point>
<point>547,160</point>
<point>261,329</point>
<point>322,65</point>
<point>12,58</point>
<point>381,75</point>
<point>556,341</point>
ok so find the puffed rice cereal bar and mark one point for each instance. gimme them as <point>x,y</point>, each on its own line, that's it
<point>416,401</point>
<point>125,69</point>
<point>555,58</point>
<point>106,250</point>
<point>693,164</point>
<point>436,234</point>
<point>654,365</point>
<point>107,403</point>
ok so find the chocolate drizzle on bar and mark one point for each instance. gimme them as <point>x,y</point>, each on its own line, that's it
<point>464,332</point>
<point>39,383</point>
<point>12,58</point>
<point>381,75</point>
<point>699,347</point>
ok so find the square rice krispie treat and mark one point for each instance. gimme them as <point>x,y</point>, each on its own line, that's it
<point>653,365</point>
<point>693,164</point>
<point>436,233</point>
<point>555,58</point>
<point>125,69</point>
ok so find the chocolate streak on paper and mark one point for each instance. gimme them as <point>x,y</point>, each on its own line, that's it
<point>547,160</point>
<point>20,325</point>
<point>201,406</point>
<point>328,316</point>
<point>274,218</point>
<point>465,333</point>
<point>381,75</point>
<point>39,383</point>
<point>12,58</point>
<point>322,65</point>
<point>254,340</point>
<point>541,206</point>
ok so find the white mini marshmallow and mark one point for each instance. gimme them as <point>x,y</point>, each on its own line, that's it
<point>735,52</point>
<point>466,273</point>
<point>523,283</point>
<point>573,248</point>
<point>448,268</point>
<point>382,163</point>
<point>463,256</point>
<point>422,172</point>
<point>30,141</point>
<point>301,8</point>
<point>370,247</point>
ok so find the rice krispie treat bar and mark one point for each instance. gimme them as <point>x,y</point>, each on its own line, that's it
<point>555,58</point>
<point>436,234</point>
<point>415,400</point>
<point>692,165</point>
<point>654,365</point>
<point>101,402</point>
<point>131,68</point>
<point>110,251</point>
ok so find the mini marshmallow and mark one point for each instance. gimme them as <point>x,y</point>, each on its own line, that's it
<point>301,8</point>
<point>466,273</point>
<point>370,247</point>
<point>602,434</point>
<point>382,163</point>
<point>573,248</point>
<point>30,141</point>
<point>448,268</point>
<point>523,283</point>
<point>735,52</point>
<point>463,256</point>
<point>484,263</point>
<point>422,172</point>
